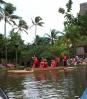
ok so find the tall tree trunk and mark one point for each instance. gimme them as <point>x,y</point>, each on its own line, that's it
<point>52,41</point>
<point>35,34</point>
<point>5,41</point>
<point>16,56</point>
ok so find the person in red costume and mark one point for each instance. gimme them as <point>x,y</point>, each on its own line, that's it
<point>65,60</point>
<point>53,63</point>
<point>36,62</point>
<point>43,63</point>
<point>57,59</point>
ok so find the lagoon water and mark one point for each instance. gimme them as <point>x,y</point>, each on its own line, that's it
<point>45,85</point>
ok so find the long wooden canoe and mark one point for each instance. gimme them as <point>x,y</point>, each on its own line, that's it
<point>38,69</point>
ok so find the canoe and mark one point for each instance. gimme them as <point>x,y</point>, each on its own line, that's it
<point>38,69</point>
<point>19,71</point>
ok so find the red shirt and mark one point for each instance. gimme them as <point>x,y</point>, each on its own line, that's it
<point>57,59</point>
<point>45,64</point>
<point>53,63</point>
<point>36,63</point>
<point>42,64</point>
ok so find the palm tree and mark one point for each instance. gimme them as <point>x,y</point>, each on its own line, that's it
<point>37,22</point>
<point>7,14</point>
<point>42,40</point>
<point>61,10</point>
<point>52,36</point>
<point>21,27</point>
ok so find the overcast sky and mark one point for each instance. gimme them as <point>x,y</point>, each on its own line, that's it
<point>46,9</point>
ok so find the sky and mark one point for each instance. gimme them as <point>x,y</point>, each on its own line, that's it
<point>46,9</point>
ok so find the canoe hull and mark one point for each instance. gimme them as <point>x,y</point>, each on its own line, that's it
<point>36,70</point>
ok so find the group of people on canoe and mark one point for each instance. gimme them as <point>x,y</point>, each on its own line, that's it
<point>44,64</point>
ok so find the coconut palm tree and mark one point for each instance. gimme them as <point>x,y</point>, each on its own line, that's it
<point>53,35</point>
<point>7,14</point>
<point>37,22</point>
<point>21,27</point>
<point>42,40</point>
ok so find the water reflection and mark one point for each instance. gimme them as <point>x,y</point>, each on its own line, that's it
<point>52,85</point>
<point>45,85</point>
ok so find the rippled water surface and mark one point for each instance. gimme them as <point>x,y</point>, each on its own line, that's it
<point>45,85</point>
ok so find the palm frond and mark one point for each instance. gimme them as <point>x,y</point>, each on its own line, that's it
<point>37,19</point>
<point>59,32</point>
<point>1,16</point>
<point>32,21</point>
<point>61,10</point>
<point>13,22</point>
<point>25,31</point>
<point>2,2</point>
<point>1,10</point>
<point>18,31</point>
<point>47,35</point>
<point>15,17</point>
<point>9,8</point>
<point>40,23</point>
<point>23,24</point>
<point>8,22</point>
<point>25,27</point>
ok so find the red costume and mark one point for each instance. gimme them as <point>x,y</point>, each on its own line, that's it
<point>57,59</point>
<point>65,60</point>
<point>43,63</point>
<point>53,63</point>
<point>36,63</point>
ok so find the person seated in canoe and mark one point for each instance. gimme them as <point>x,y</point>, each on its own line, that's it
<point>57,59</point>
<point>53,63</point>
<point>44,63</point>
<point>36,63</point>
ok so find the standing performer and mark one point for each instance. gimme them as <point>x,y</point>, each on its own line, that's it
<point>36,62</point>
<point>65,60</point>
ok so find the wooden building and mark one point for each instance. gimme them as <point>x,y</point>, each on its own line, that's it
<point>83,8</point>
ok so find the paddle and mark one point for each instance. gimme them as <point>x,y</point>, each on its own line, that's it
<point>3,94</point>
